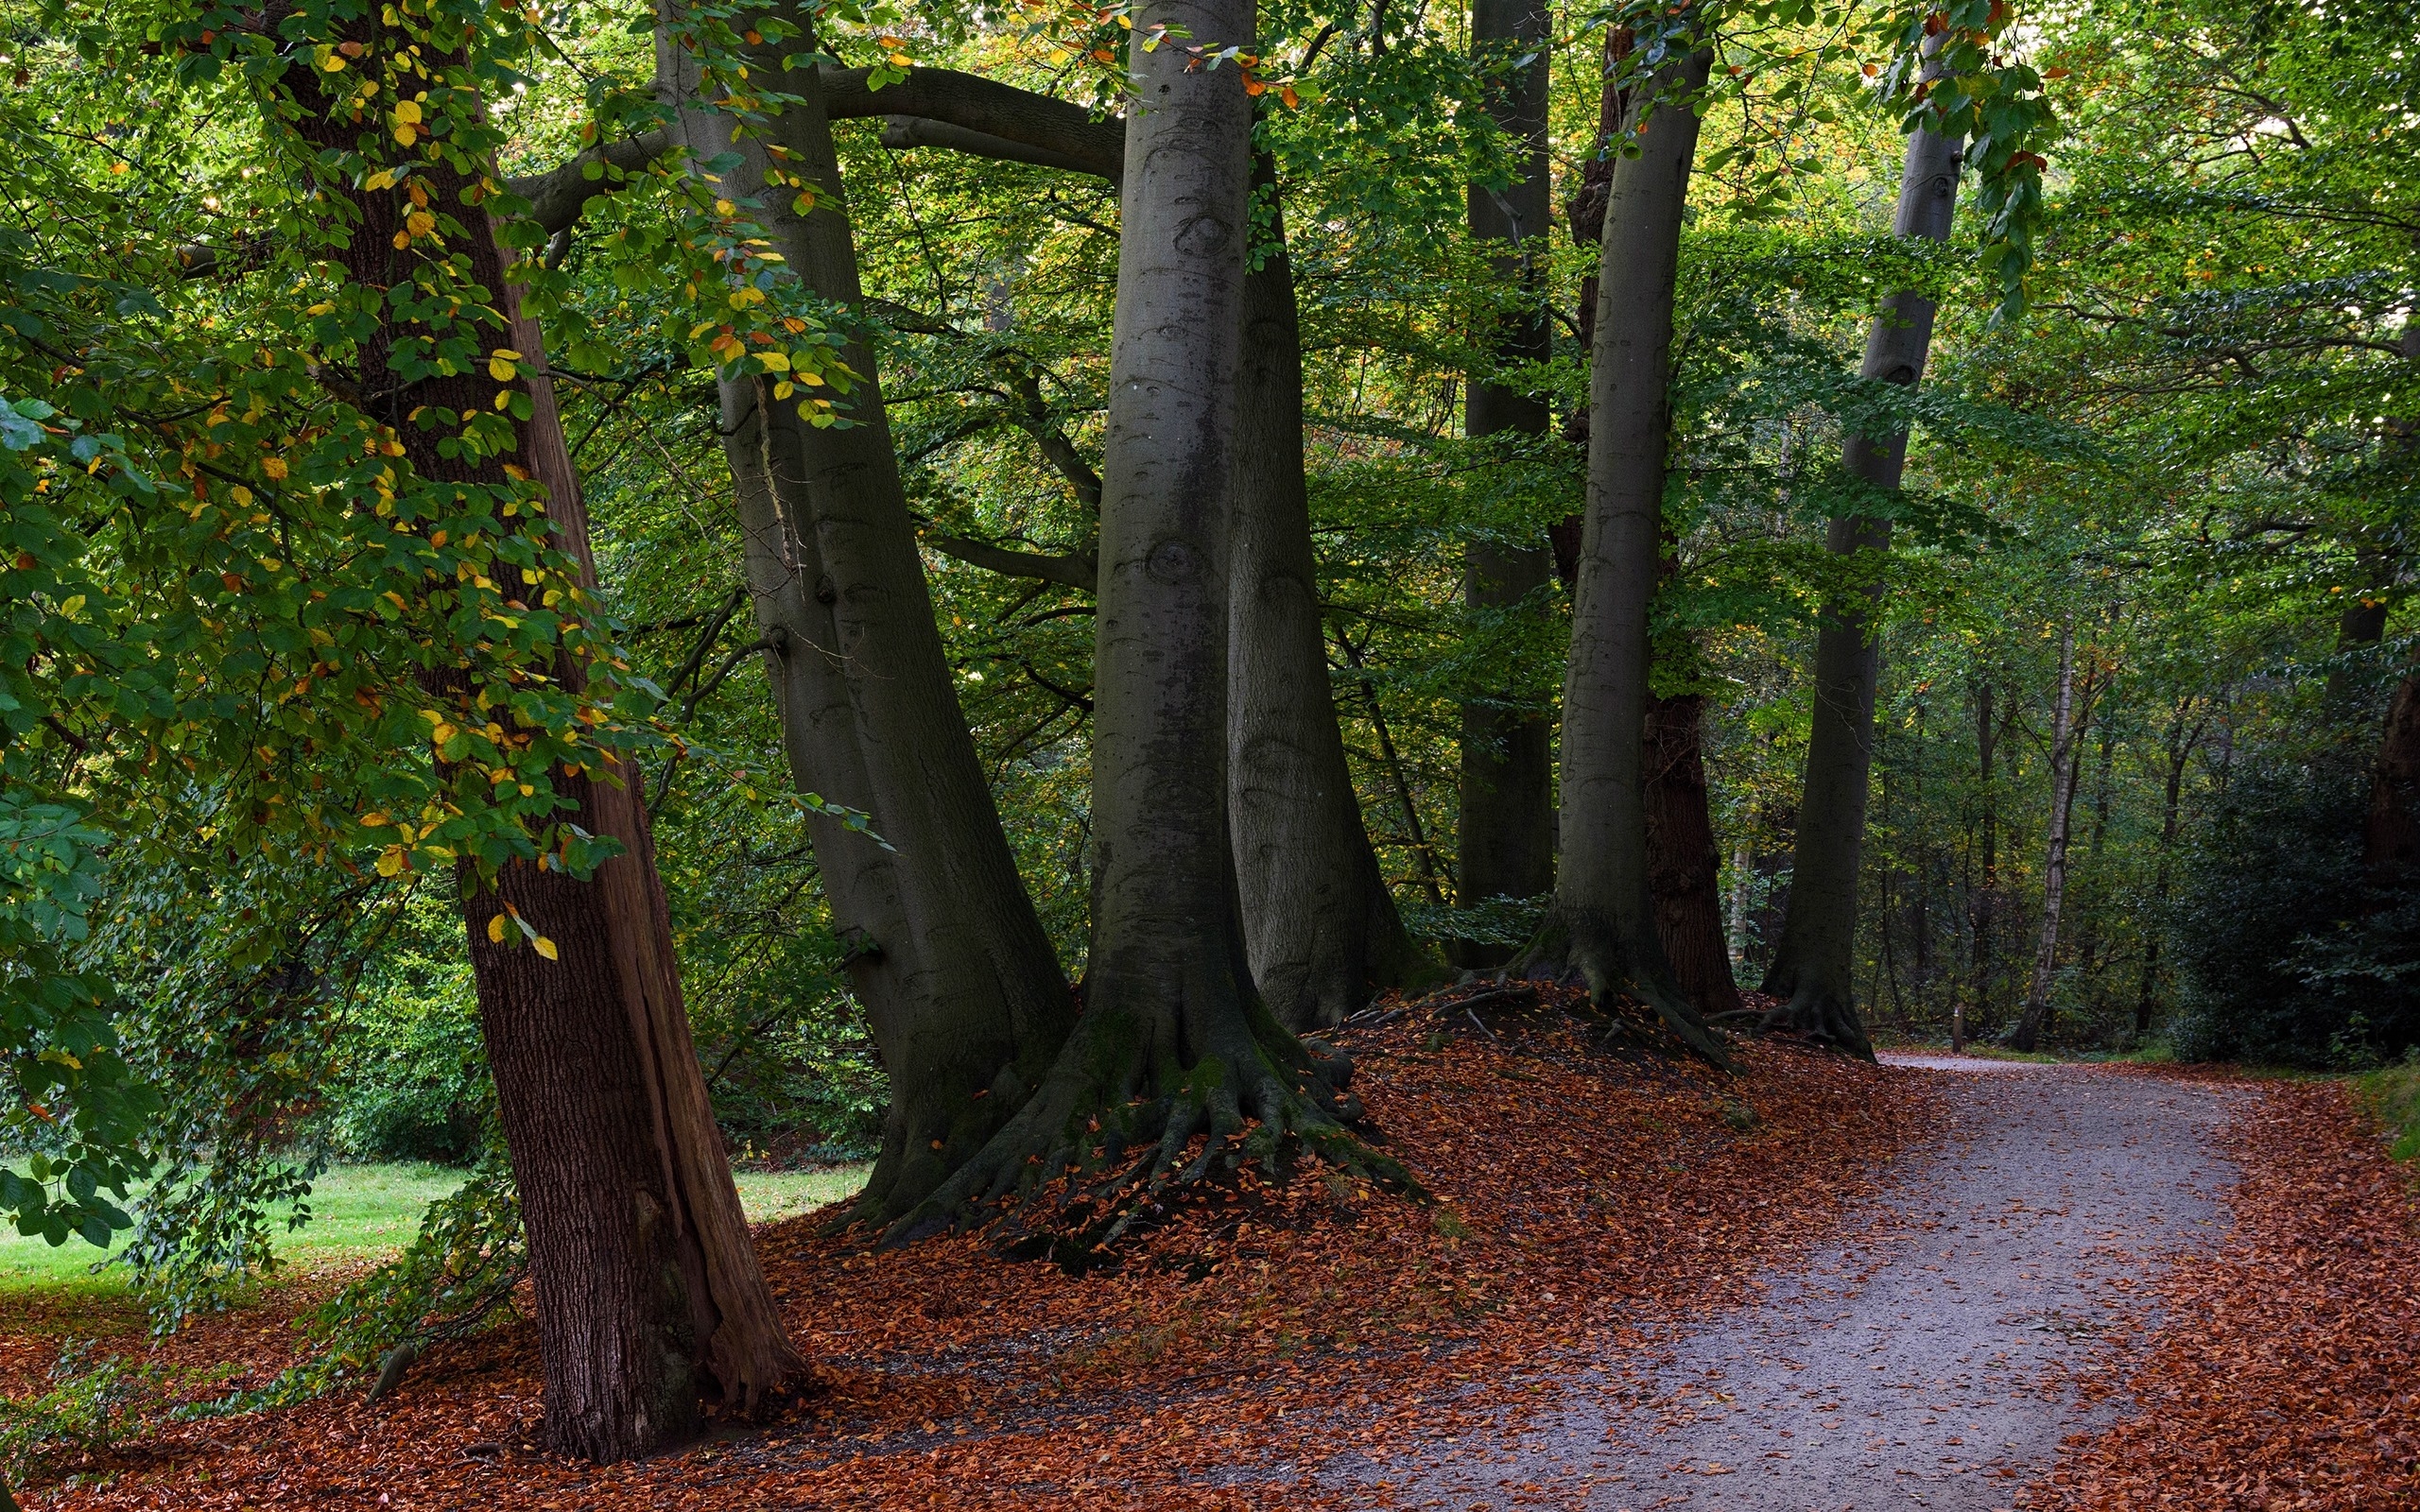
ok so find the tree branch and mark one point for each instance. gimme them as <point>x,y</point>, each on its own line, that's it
<point>1078,569</point>
<point>987,110</point>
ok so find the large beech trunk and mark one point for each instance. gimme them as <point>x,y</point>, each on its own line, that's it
<point>968,1001</point>
<point>1602,924</point>
<point>648,1289</point>
<point>1319,922</point>
<point>1810,970</point>
<point>1507,798</point>
<point>1174,1040</point>
<point>1684,870</point>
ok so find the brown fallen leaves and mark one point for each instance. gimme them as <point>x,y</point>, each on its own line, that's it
<point>1268,1329</point>
<point>2288,1373</point>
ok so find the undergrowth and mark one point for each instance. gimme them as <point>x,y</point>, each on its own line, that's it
<point>2391,1095</point>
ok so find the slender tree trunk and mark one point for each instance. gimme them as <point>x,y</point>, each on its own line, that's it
<point>1980,903</point>
<point>1506,778</point>
<point>1174,1040</point>
<point>1811,969</point>
<point>1321,924</point>
<point>978,1004</point>
<point>649,1291</point>
<point>2180,744</point>
<point>1684,869</point>
<point>1736,940</point>
<point>2028,1032</point>
<point>1602,924</point>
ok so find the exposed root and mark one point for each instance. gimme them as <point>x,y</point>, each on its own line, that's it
<point>1828,1019</point>
<point>1103,1144</point>
<point>1570,944</point>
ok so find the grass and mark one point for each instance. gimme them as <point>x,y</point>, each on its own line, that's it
<point>367,1213</point>
<point>2392,1097</point>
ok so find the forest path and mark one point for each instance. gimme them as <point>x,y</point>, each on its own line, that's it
<point>1936,1360</point>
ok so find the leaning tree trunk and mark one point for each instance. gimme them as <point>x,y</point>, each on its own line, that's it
<point>1602,922</point>
<point>2064,752</point>
<point>1810,970</point>
<point>1320,921</point>
<point>983,1004</point>
<point>1507,799</point>
<point>1685,873</point>
<point>648,1289</point>
<point>1174,1041</point>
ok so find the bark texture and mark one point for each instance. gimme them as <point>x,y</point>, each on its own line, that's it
<point>1684,869</point>
<point>1174,1041</point>
<point>1810,970</point>
<point>1321,924</point>
<point>1602,924</point>
<point>1507,797</point>
<point>971,1002</point>
<point>648,1288</point>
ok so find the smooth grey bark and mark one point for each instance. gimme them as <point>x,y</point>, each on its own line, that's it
<point>1174,1040</point>
<point>983,1004</point>
<point>1320,924</point>
<point>1507,796</point>
<point>1810,970</point>
<point>1602,922</point>
<point>2178,744</point>
<point>2064,753</point>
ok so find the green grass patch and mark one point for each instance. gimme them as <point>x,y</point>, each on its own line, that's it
<point>2392,1097</point>
<point>368,1213</point>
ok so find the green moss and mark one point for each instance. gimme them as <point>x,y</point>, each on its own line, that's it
<point>2392,1097</point>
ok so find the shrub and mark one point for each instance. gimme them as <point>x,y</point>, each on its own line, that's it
<point>2287,952</point>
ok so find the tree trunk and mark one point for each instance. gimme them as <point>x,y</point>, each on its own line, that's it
<point>1602,924</point>
<point>648,1291</point>
<point>981,1001</point>
<point>2063,752</point>
<point>1811,967</point>
<point>2180,745</point>
<point>2391,831</point>
<point>1320,921</point>
<point>1684,869</point>
<point>1507,778</point>
<point>1174,1040</point>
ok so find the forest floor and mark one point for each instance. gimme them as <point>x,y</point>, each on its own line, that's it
<point>1640,1285</point>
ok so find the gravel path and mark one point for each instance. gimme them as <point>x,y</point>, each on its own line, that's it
<point>1936,1361</point>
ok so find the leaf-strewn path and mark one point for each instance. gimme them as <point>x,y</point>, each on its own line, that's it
<point>1936,1360</point>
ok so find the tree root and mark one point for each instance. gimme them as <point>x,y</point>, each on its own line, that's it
<point>1828,1019</point>
<point>1096,1152</point>
<point>1571,945</point>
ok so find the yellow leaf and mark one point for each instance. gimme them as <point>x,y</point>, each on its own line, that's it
<point>375,818</point>
<point>407,134</point>
<point>275,467</point>
<point>500,367</point>
<point>724,207</point>
<point>390,861</point>
<point>496,930</point>
<point>407,110</point>
<point>383,179</point>
<point>774,361</point>
<point>547,948</point>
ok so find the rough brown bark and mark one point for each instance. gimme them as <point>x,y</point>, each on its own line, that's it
<point>1810,970</point>
<point>1684,869</point>
<point>1602,924</point>
<point>648,1288</point>
<point>1319,922</point>
<point>978,1001</point>
<point>1507,800</point>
